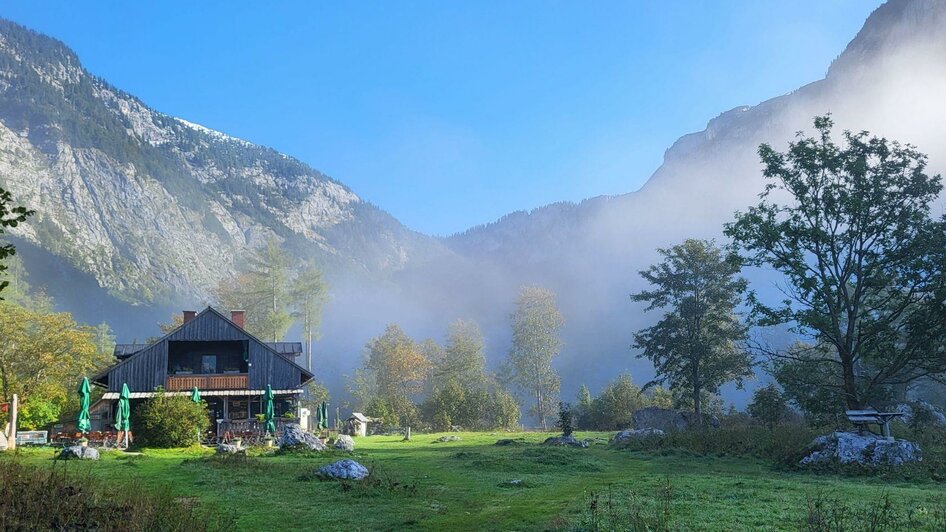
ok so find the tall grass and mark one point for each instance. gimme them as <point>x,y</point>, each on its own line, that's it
<point>58,498</point>
<point>631,511</point>
<point>775,443</point>
<point>832,514</point>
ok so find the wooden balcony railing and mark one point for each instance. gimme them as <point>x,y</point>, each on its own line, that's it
<point>177,383</point>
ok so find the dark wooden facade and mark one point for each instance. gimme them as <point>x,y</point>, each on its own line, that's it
<point>147,369</point>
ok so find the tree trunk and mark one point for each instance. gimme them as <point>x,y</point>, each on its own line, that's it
<point>11,433</point>
<point>697,406</point>
<point>851,397</point>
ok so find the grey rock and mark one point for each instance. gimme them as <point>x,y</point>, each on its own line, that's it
<point>634,434</point>
<point>924,411</point>
<point>226,448</point>
<point>294,437</point>
<point>507,441</point>
<point>344,442</point>
<point>669,420</point>
<point>80,452</point>
<point>346,469</point>
<point>565,441</point>
<point>444,439</point>
<point>863,449</point>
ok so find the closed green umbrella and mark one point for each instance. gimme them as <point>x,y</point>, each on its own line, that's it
<point>84,424</point>
<point>123,415</point>
<point>195,396</point>
<point>269,411</point>
<point>323,415</point>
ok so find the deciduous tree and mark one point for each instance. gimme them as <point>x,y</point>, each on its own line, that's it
<point>10,216</point>
<point>849,227</point>
<point>397,369</point>
<point>697,344</point>
<point>42,357</point>
<point>536,325</point>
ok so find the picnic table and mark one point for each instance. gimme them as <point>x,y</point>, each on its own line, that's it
<point>871,416</point>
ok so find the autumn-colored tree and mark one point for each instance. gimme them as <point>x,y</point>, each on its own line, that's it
<point>396,368</point>
<point>177,319</point>
<point>42,357</point>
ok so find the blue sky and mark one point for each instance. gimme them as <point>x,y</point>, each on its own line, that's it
<point>450,115</point>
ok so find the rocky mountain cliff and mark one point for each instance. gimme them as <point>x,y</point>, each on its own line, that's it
<point>156,208</point>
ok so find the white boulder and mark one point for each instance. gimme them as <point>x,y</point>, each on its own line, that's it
<point>344,442</point>
<point>346,469</point>
<point>863,449</point>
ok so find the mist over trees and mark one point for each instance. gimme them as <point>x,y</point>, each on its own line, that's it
<point>863,260</point>
<point>536,341</point>
<point>425,384</point>
<point>275,293</point>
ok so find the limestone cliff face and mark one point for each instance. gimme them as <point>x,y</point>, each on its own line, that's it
<point>156,207</point>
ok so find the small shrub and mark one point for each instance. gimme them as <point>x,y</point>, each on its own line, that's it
<point>170,421</point>
<point>565,418</point>
<point>768,405</point>
<point>832,514</point>
<point>651,511</point>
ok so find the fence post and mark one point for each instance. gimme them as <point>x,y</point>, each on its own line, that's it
<point>11,433</point>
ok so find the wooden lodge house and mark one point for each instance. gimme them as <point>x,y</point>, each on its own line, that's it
<point>229,366</point>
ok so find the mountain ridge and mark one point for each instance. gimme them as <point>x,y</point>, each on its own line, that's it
<point>101,164</point>
<point>888,80</point>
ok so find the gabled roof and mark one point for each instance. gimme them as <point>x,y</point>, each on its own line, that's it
<point>269,346</point>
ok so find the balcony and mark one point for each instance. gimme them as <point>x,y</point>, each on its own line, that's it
<point>176,383</point>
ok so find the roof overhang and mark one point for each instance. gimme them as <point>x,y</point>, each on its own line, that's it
<point>208,393</point>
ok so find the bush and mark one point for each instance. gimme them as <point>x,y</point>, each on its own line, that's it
<point>768,406</point>
<point>565,419</point>
<point>613,408</point>
<point>170,421</point>
<point>780,443</point>
<point>503,412</point>
<point>470,408</point>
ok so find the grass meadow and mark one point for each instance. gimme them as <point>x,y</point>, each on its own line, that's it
<point>473,484</point>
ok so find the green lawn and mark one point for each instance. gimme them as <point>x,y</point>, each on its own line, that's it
<point>464,486</point>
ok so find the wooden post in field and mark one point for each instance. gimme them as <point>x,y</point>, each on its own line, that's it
<point>11,432</point>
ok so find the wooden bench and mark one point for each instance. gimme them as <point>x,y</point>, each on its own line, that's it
<point>870,416</point>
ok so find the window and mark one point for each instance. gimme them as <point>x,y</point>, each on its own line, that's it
<point>208,364</point>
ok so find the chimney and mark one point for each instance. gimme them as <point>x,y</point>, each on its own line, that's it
<point>238,317</point>
<point>189,315</point>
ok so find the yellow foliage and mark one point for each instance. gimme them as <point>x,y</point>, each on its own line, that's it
<point>43,355</point>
